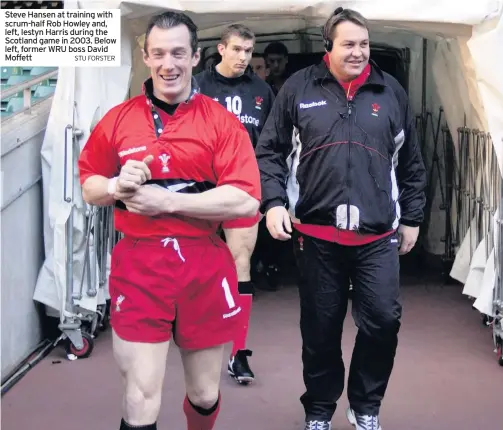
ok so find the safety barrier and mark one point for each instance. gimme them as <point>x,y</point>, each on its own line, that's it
<point>477,184</point>
<point>466,175</point>
<point>497,323</point>
<point>80,326</point>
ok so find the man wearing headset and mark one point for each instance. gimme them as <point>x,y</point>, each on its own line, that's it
<point>352,183</point>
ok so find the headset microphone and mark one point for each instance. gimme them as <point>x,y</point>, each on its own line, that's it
<point>326,37</point>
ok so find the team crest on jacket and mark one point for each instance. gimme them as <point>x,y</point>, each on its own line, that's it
<point>258,102</point>
<point>375,109</point>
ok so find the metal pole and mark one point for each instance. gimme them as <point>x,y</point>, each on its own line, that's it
<point>423,89</point>
<point>68,197</point>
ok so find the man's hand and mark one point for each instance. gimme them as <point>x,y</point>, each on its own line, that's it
<point>132,175</point>
<point>151,200</point>
<point>278,223</point>
<point>408,237</point>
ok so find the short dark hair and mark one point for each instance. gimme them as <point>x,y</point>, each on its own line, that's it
<point>276,48</point>
<point>172,19</point>
<point>239,30</point>
<point>343,16</point>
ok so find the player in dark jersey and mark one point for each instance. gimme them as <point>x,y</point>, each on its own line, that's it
<point>175,164</point>
<point>233,84</point>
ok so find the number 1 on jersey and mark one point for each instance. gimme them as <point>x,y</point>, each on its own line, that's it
<point>228,295</point>
<point>234,104</point>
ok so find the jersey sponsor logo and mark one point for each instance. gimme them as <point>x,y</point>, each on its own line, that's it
<point>247,119</point>
<point>132,151</point>
<point>175,188</point>
<point>312,104</point>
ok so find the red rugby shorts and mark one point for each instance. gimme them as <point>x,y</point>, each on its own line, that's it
<point>180,288</point>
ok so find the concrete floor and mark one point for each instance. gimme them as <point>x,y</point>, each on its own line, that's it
<point>446,376</point>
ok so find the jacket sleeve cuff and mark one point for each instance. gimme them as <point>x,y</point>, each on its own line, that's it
<point>409,223</point>
<point>272,204</point>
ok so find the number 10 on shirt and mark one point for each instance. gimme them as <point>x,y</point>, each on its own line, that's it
<point>234,104</point>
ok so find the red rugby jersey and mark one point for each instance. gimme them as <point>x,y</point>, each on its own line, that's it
<point>200,147</point>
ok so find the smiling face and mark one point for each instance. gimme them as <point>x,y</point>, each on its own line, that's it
<point>351,51</point>
<point>170,59</point>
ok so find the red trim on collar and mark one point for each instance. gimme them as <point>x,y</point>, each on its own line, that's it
<point>351,87</point>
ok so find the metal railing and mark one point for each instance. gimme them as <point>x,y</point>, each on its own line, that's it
<point>498,288</point>
<point>25,87</point>
<point>468,180</point>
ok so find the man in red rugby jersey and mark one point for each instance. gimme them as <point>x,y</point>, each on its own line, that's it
<point>175,164</point>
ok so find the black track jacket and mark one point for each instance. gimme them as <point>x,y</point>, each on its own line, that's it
<point>248,97</point>
<point>355,165</point>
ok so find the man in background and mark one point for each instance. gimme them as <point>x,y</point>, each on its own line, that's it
<point>234,85</point>
<point>276,58</point>
<point>259,66</point>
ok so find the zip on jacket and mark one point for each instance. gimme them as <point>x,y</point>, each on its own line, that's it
<point>355,165</point>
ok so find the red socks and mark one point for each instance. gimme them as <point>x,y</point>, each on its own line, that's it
<point>242,331</point>
<point>199,418</point>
